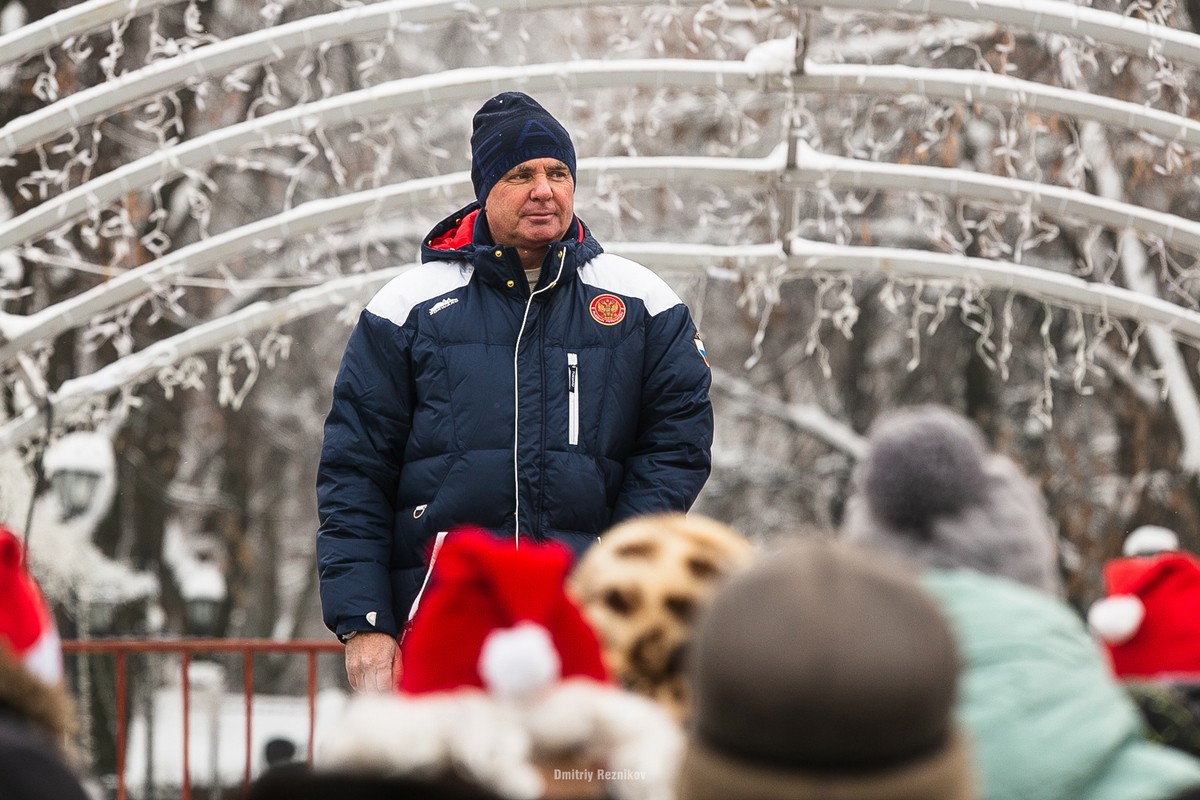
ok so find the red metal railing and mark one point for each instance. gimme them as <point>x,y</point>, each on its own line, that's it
<point>122,649</point>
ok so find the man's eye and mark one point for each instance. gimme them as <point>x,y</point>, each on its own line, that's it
<point>559,175</point>
<point>521,177</point>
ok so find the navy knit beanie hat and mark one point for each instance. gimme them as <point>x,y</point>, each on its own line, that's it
<point>510,129</point>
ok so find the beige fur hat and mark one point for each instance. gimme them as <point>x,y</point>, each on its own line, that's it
<point>641,587</point>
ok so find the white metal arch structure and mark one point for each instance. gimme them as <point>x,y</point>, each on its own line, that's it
<point>450,86</point>
<point>804,257</point>
<point>951,85</point>
<point>1049,16</point>
<point>809,167</point>
<point>70,22</point>
<point>85,106</point>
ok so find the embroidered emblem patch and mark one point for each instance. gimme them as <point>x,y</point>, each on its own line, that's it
<point>700,349</point>
<point>608,309</point>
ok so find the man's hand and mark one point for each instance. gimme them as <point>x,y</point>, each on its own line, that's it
<point>372,662</point>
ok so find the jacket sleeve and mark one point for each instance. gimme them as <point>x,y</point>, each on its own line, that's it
<point>672,456</point>
<point>361,456</point>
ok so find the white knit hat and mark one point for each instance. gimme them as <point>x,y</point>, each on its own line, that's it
<point>1150,539</point>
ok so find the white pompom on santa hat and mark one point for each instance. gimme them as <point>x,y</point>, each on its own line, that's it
<point>27,630</point>
<point>1116,619</point>
<point>519,661</point>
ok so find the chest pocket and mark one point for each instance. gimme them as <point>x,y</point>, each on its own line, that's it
<point>572,399</point>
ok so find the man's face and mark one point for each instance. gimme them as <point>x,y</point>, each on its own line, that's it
<point>532,205</point>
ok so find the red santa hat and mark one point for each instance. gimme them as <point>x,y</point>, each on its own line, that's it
<point>500,671</point>
<point>27,631</point>
<point>1148,620</point>
<point>497,617</point>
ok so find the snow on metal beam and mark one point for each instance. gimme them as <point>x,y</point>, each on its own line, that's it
<point>74,21</point>
<point>812,169</point>
<point>971,86</point>
<point>199,256</point>
<point>133,370</point>
<point>1053,287</point>
<point>20,332</point>
<point>805,257</point>
<point>968,86</point>
<point>84,106</point>
<point>386,98</point>
<point>821,169</point>
<point>1046,16</point>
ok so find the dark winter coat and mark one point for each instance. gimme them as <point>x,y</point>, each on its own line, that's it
<point>33,723</point>
<point>602,415</point>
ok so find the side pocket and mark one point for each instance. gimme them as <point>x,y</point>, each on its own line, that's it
<point>573,398</point>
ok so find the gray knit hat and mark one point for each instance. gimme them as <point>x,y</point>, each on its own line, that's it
<point>826,673</point>
<point>929,490</point>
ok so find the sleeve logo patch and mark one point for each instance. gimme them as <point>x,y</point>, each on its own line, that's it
<point>607,309</point>
<point>700,349</point>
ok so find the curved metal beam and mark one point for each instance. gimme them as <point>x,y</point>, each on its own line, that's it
<point>805,258</point>
<point>951,85</point>
<point>810,167</point>
<point>972,86</point>
<point>85,106</point>
<point>850,173</point>
<point>386,98</point>
<point>1046,16</point>
<point>74,21</point>
<point>1053,287</point>
<point>132,370</point>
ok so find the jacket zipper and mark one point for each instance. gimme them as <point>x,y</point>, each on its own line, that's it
<point>573,398</point>
<point>562,255</point>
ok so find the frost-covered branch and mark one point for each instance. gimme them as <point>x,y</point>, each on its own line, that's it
<point>809,418</point>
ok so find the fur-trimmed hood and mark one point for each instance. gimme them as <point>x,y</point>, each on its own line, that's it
<point>43,706</point>
<point>515,748</point>
<point>929,490</point>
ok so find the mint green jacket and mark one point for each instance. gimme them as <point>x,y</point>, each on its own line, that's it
<point>1046,719</point>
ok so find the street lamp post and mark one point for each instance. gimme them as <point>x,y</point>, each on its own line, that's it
<point>81,469</point>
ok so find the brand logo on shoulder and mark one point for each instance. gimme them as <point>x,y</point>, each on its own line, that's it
<point>442,305</point>
<point>607,309</point>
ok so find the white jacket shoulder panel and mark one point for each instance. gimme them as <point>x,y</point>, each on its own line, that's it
<point>399,296</point>
<point>622,276</point>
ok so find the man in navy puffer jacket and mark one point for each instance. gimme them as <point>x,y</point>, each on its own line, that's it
<point>520,379</point>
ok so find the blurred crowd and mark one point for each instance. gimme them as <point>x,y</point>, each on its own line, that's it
<point>923,652</point>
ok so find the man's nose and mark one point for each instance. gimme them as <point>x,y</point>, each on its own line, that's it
<point>540,188</point>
